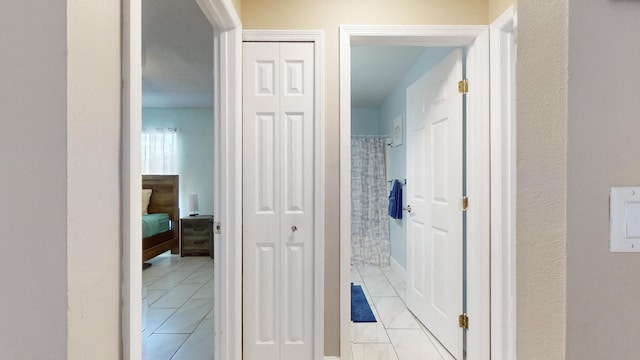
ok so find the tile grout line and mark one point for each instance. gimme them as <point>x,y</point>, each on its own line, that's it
<point>189,337</point>
<point>421,328</point>
<point>175,310</point>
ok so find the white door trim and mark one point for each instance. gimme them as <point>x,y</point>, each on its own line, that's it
<point>503,186</point>
<point>478,301</point>
<point>227,167</point>
<point>131,179</point>
<point>317,37</point>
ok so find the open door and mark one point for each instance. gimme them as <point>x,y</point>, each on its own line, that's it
<point>434,192</point>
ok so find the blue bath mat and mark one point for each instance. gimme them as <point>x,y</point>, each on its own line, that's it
<point>360,309</point>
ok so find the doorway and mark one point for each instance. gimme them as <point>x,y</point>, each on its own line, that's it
<point>387,81</point>
<point>475,41</point>
<point>178,140</point>
<point>227,107</point>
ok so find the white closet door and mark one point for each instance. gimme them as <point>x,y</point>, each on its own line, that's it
<point>261,201</point>
<point>278,204</point>
<point>434,192</point>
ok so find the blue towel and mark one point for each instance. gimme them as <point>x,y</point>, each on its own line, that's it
<point>395,200</point>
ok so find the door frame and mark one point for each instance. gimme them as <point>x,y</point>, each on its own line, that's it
<point>503,33</point>
<point>227,74</point>
<point>478,162</point>
<point>317,38</point>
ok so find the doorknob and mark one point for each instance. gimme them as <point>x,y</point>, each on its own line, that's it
<point>408,208</point>
<point>294,228</point>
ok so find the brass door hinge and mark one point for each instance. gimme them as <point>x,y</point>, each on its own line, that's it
<point>463,86</point>
<point>465,203</point>
<point>463,321</point>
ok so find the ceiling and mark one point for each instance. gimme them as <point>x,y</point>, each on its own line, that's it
<point>177,55</point>
<point>376,70</point>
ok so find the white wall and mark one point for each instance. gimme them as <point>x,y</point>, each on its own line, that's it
<point>195,151</point>
<point>33,180</point>
<point>603,289</point>
<point>93,171</point>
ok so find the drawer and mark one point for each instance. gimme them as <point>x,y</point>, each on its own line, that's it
<point>195,252</point>
<point>196,230</point>
<point>193,242</point>
<point>187,251</point>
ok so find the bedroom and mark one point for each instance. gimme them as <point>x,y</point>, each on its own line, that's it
<point>177,165</point>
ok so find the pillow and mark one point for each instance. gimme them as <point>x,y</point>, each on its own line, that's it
<point>146,196</point>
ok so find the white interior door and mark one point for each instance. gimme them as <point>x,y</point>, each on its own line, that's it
<point>434,191</point>
<point>278,208</point>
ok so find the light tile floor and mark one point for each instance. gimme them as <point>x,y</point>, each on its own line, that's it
<point>397,335</point>
<point>180,313</point>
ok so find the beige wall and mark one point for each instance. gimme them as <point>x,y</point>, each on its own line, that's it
<point>541,178</point>
<point>497,7</point>
<point>603,289</point>
<point>237,4</point>
<point>93,131</point>
<point>33,177</point>
<point>328,15</point>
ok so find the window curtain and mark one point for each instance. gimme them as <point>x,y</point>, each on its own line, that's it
<point>369,202</point>
<point>159,151</point>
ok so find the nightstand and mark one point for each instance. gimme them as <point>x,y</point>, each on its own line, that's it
<point>196,235</point>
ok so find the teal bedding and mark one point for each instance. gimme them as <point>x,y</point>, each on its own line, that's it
<point>154,224</point>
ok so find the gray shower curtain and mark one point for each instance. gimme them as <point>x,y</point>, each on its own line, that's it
<point>369,202</point>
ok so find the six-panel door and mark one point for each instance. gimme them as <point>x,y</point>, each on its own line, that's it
<point>434,191</point>
<point>278,204</point>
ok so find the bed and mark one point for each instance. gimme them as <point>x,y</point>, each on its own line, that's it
<point>163,200</point>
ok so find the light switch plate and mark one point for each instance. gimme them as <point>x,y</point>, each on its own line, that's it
<point>624,219</point>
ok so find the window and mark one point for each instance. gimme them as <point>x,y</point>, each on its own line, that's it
<point>159,151</point>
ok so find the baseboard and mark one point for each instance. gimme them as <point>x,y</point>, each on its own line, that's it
<point>398,268</point>
<point>331,358</point>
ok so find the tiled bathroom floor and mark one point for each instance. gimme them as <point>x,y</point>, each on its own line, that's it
<point>180,308</point>
<point>397,335</point>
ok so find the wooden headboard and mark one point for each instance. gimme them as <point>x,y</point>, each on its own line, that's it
<point>164,198</point>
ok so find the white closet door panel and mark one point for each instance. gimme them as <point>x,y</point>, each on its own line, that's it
<point>278,204</point>
<point>294,164</point>
<point>261,204</point>
<point>296,67</point>
<point>264,139</point>
<point>266,297</point>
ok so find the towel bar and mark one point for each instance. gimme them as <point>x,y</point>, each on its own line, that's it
<point>404,183</point>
